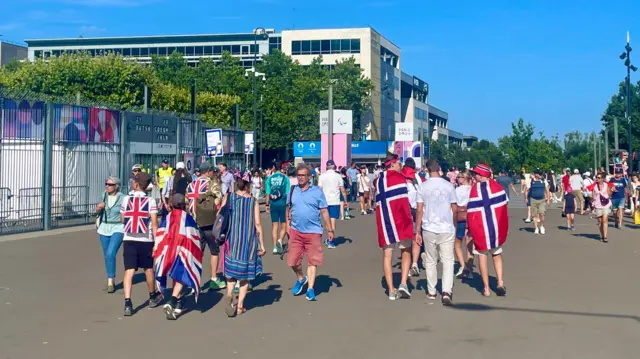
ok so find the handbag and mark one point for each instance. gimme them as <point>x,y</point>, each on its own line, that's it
<point>221,226</point>
<point>603,200</point>
<point>101,212</point>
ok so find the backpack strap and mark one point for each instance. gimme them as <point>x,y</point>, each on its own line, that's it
<point>291,195</point>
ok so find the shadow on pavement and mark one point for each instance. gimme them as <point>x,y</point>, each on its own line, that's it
<point>527,229</point>
<point>483,307</point>
<point>593,236</point>
<point>338,241</point>
<point>396,282</point>
<point>263,297</point>
<point>137,278</point>
<point>324,283</point>
<point>476,283</point>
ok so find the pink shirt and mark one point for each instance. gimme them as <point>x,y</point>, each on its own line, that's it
<point>597,194</point>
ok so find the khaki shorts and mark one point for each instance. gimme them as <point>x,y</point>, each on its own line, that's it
<point>400,245</point>
<point>538,206</point>
<point>599,212</point>
<point>494,251</point>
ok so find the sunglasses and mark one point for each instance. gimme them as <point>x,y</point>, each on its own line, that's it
<point>136,170</point>
<point>301,175</point>
<point>109,184</point>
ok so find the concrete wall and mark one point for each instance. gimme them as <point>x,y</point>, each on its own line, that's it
<point>8,52</point>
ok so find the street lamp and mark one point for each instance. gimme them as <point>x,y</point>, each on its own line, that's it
<point>626,56</point>
<point>255,107</point>
<point>254,86</point>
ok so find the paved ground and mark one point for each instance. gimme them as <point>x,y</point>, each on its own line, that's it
<point>570,296</point>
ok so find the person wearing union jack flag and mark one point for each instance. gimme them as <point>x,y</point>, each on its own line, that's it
<point>138,213</point>
<point>488,223</point>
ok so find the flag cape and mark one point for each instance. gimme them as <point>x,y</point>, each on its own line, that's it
<point>178,254</point>
<point>194,190</point>
<point>393,211</point>
<point>487,215</point>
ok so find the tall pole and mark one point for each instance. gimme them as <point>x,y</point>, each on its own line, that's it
<point>261,133</point>
<point>595,161</point>
<point>254,86</point>
<point>626,56</point>
<point>330,124</point>
<point>606,150</point>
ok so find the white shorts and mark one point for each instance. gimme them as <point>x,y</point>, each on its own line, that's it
<point>400,245</point>
<point>494,251</point>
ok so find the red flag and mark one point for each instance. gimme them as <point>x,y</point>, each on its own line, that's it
<point>393,211</point>
<point>487,215</point>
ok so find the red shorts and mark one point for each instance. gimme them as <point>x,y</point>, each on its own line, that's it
<point>304,243</point>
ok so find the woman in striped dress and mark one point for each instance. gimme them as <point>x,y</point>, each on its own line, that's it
<point>245,246</point>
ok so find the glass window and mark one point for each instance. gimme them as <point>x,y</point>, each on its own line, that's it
<point>355,46</point>
<point>208,50</point>
<point>325,46</point>
<point>315,46</point>
<point>295,48</point>
<point>235,49</point>
<point>198,50</point>
<point>190,51</point>
<point>226,48</point>
<point>180,49</point>
<point>345,45</point>
<point>153,51</point>
<point>135,51</point>
<point>217,50</point>
<point>335,46</point>
<point>125,52</point>
<point>92,52</point>
<point>56,52</point>
<point>144,51</point>
<point>306,46</point>
<point>117,51</point>
<point>37,54</point>
<point>396,106</point>
<point>162,51</point>
<point>253,49</point>
<point>245,50</point>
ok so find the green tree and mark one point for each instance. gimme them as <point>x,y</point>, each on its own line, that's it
<point>518,145</point>
<point>616,109</point>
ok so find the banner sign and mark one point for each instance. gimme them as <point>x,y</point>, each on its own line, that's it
<point>404,131</point>
<point>214,142</point>
<point>342,121</point>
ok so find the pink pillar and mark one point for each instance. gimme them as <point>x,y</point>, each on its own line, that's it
<point>341,150</point>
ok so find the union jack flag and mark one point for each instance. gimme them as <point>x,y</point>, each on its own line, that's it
<point>195,189</point>
<point>487,215</point>
<point>178,253</point>
<point>393,211</point>
<point>136,213</point>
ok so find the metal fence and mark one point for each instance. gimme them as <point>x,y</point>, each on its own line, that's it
<point>54,158</point>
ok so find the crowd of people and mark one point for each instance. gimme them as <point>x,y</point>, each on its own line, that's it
<point>165,224</point>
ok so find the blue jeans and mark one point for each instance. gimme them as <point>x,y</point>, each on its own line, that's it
<point>110,246</point>
<point>353,196</point>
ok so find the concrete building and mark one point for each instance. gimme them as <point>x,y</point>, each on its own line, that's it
<point>413,105</point>
<point>10,51</point>
<point>468,141</point>
<point>378,58</point>
<point>141,48</point>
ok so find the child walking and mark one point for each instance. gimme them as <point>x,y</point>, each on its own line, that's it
<point>569,208</point>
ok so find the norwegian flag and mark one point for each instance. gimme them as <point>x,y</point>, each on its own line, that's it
<point>487,215</point>
<point>195,189</point>
<point>393,211</point>
<point>177,252</point>
<point>136,214</point>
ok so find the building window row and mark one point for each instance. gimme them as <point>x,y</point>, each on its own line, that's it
<point>321,47</point>
<point>419,114</point>
<point>160,51</point>
<point>275,43</point>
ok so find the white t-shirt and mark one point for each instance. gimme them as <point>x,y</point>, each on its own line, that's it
<point>153,208</point>
<point>331,182</point>
<point>363,183</point>
<point>462,193</point>
<point>437,195</point>
<point>576,182</point>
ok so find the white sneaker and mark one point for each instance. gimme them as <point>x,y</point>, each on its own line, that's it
<point>537,231</point>
<point>542,231</point>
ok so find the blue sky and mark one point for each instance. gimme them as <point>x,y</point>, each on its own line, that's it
<point>554,63</point>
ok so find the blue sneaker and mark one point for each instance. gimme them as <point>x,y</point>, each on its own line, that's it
<point>299,286</point>
<point>330,244</point>
<point>311,295</point>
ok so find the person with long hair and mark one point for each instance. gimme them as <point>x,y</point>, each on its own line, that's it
<point>110,229</point>
<point>344,203</point>
<point>462,194</point>
<point>364,190</point>
<point>245,244</point>
<point>602,192</point>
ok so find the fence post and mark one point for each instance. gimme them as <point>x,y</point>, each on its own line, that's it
<point>123,144</point>
<point>179,139</point>
<point>47,168</point>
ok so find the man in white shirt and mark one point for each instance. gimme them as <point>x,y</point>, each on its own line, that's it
<point>141,224</point>
<point>577,185</point>
<point>332,186</point>
<point>437,202</point>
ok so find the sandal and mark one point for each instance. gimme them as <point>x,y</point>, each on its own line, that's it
<point>241,310</point>
<point>230,309</point>
<point>605,240</point>
<point>486,293</point>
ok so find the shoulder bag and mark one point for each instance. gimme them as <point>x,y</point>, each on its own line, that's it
<point>100,214</point>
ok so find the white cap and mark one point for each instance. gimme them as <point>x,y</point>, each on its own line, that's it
<point>587,173</point>
<point>136,167</point>
<point>180,165</point>
<point>576,171</point>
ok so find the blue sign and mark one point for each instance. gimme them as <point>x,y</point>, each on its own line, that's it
<point>214,142</point>
<point>306,149</point>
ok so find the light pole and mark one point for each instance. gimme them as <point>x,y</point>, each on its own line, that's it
<point>254,85</point>
<point>626,56</point>
<point>255,75</point>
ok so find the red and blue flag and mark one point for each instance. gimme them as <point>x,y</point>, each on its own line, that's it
<point>195,189</point>
<point>137,214</point>
<point>178,254</point>
<point>393,211</point>
<point>487,215</point>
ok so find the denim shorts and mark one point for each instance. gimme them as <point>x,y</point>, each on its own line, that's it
<point>460,229</point>
<point>617,203</point>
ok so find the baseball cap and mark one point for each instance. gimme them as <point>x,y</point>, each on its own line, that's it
<point>180,165</point>
<point>619,171</point>
<point>537,171</point>
<point>165,161</point>
<point>331,163</point>
<point>482,170</point>
<point>136,167</point>
<point>576,171</point>
<point>204,168</point>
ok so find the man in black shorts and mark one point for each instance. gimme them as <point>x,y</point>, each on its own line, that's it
<point>138,212</point>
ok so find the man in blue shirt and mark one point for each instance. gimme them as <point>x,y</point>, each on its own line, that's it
<point>353,175</point>
<point>276,189</point>
<point>305,204</point>
<point>617,198</point>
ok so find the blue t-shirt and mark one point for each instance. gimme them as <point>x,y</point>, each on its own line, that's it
<point>353,174</point>
<point>620,185</point>
<point>305,209</point>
